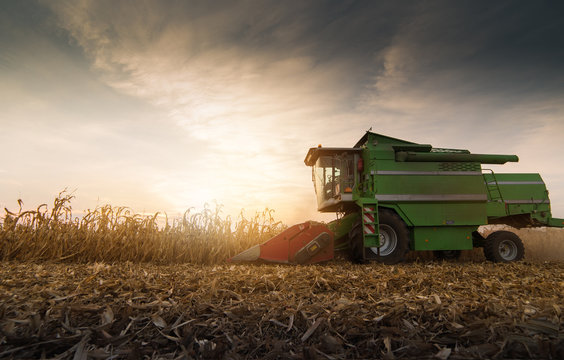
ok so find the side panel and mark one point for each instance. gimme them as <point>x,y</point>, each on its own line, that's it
<point>519,187</point>
<point>517,194</point>
<point>443,214</point>
<point>429,196</point>
<point>443,237</point>
<point>556,222</point>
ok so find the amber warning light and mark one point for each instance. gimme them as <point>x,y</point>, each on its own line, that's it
<point>360,165</point>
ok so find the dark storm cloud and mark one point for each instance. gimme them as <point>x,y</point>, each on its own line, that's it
<point>509,47</point>
<point>467,47</point>
<point>344,35</point>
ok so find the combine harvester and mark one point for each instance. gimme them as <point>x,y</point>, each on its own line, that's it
<point>392,196</point>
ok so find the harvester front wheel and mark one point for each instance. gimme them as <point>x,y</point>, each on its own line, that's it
<point>394,240</point>
<point>356,243</point>
<point>503,246</point>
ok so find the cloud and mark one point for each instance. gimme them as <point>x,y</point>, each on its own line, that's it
<point>254,108</point>
<point>469,66</point>
<point>247,87</point>
<point>190,68</point>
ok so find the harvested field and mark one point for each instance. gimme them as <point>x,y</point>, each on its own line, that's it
<point>442,310</point>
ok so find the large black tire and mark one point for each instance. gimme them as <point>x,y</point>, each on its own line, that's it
<point>356,243</point>
<point>447,254</point>
<point>394,239</point>
<point>503,246</point>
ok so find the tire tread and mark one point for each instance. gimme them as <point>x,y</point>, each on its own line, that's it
<point>491,246</point>
<point>388,217</point>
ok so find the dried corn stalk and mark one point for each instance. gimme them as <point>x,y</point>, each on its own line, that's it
<point>333,311</point>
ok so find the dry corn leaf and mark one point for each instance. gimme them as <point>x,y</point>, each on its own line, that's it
<point>158,321</point>
<point>473,321</point>
<point>107,316</point>
<point>312,328</point>
<point>443,354</point>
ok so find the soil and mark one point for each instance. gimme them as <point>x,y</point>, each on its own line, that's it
<point>338,310</point>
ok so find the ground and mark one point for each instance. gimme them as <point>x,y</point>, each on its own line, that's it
<point>423,309</point>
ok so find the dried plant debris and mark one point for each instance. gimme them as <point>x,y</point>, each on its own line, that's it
<point>333,311</point>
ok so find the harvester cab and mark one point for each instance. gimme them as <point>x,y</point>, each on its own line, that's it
<point>334,173</point>
<point>393,196</point>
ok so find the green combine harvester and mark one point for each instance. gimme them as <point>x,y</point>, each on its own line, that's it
<point>392,196</point>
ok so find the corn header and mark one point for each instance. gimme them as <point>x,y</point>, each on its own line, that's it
<point>393,196</point>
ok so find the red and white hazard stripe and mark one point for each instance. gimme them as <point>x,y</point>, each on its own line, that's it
<point>369,229</point>
<point>368,220</point>
<point>368,217</point>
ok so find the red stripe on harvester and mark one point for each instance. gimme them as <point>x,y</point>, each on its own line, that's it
<point>369,229</point>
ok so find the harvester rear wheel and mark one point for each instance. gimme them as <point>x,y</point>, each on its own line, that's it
<point>394,240</point>
<point>503,246</point>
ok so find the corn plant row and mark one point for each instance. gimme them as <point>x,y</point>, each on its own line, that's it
<point>116,234</point>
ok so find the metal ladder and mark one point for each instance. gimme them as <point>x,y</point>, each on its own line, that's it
<point>494,193</point>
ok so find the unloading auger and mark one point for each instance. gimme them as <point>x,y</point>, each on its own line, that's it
<point>395,196</point>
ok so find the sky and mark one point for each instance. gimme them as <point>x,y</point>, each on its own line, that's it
<point>169,105</point>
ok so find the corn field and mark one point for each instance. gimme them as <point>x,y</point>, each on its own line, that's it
<point>115,234</point>
<point>113,284</point>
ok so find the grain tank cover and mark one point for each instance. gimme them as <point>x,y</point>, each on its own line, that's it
<point>403,151</point>
<point>436,156</point>
<point>314,153</point>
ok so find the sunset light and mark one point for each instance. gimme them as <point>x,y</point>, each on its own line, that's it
<point>261,179</point>
<point>166,107</point>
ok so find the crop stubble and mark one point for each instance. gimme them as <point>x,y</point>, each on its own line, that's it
<point>332,311</point>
